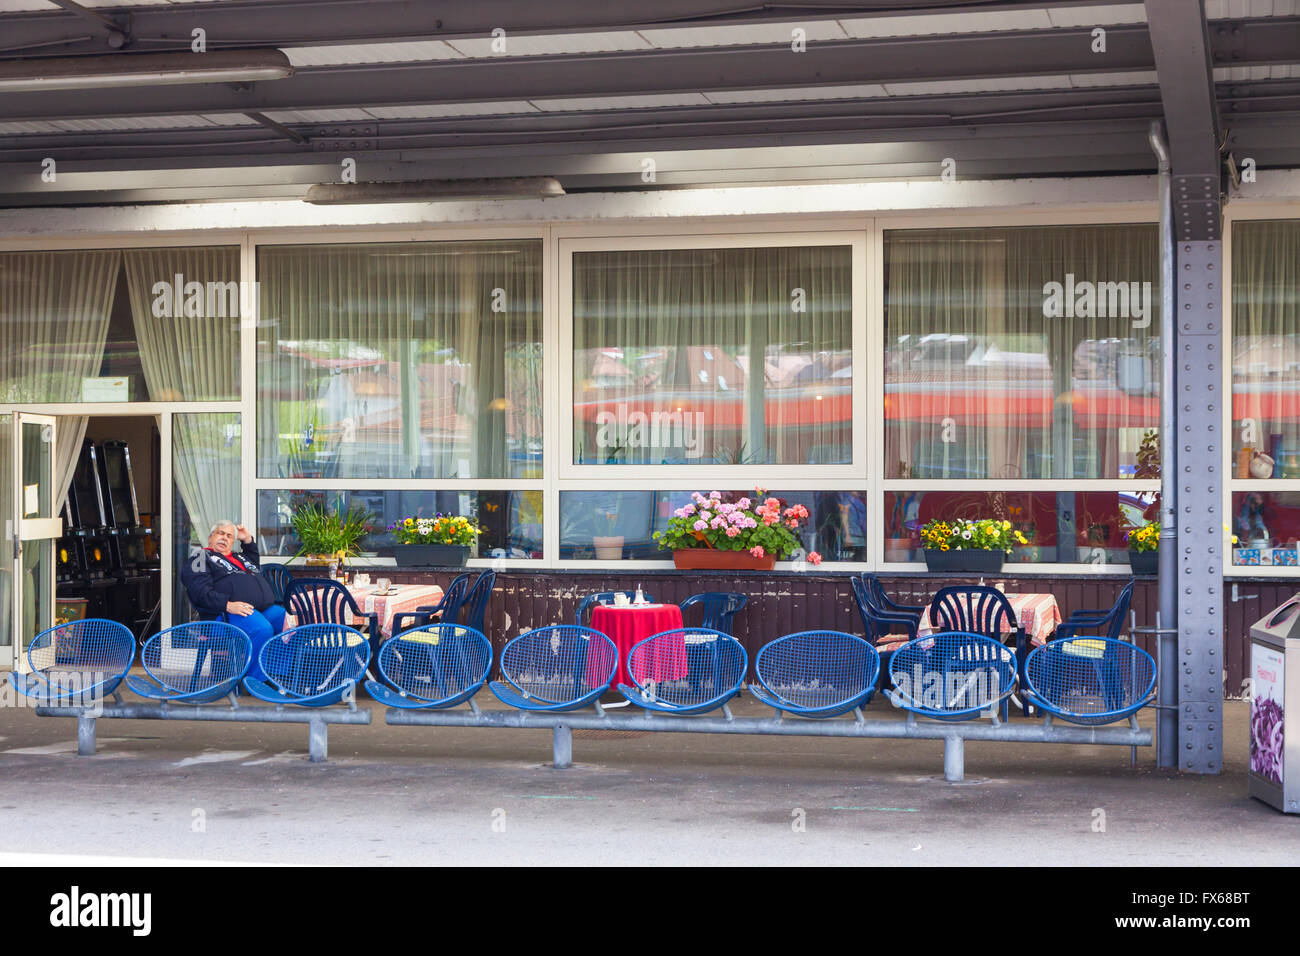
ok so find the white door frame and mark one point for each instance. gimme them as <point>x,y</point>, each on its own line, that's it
<point>29,529</point>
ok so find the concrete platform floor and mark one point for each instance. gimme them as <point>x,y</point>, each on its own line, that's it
<point>425,795</point>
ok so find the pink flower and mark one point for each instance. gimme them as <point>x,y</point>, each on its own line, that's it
<point>701,525</point>
<point>688,510</point>
<point>772,503</point>
<point>704,515</point>
<point>760,491</point>
<point>726,509</point>
<point>770,519</point>
<point>718,522</point>
<point>743,504</point>
<point>793,523</point>
<point>715,495</point>
<point>732,531</point>
<point>814,557</point>
<point>757,551</point>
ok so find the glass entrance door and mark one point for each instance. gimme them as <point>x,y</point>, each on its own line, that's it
<point>31,529</point>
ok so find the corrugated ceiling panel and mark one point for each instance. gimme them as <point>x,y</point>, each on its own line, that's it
<point>1140,78</point>
<point>978,86</point>
<point>557,44</point>
<point>436,110</point>
<point>862,91</point>
<point>1232,9</point>
<point>620,102</point>
<point>742,34</point>
<point>350,53</point>
<point>1109,14</point>
<point>132,123</point>
<point>29,128</point>
<point>320,116</point>
<point>986,22</point>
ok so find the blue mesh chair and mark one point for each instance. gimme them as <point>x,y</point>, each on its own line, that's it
<point>1090,681</point>
<point>1110,622</point>
<point>279,578</point>
<point>431,667</point>
<point>875,592</point>
<point>719,608</point>
<point>323,601</point>
<point>557,668</point>
<point>952,675</point>
<point>602,597</point>
<point>816,673</point>
<point>473,611</point>
<point>313,665</point>
<point>77,663</point>
<point>978,609</point>
<point>882,628</point>
<point>687,670</point>
<point>196,663</point>
<point>447,611</point>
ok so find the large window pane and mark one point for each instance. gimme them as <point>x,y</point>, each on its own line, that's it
<point>511,520</point>
<point>1068,527</point>
<point>205,476</point>
<point>1021,353</point>
<point>1266,525</point>
<point>614,525</point>
<point>1266,349</point>
<point>117,326</point>
<point>400,360</point>
<point>732,356</point>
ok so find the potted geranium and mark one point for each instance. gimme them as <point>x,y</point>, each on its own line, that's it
<point>1144,548</point>
<point>440,541</point>
<point>966,545</point>
<point>715,531</point>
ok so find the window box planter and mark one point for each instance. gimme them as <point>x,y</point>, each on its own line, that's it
<point>431,555</point>
<point>972,560</point>
<point>1144,562</point>
<point>710,559</point>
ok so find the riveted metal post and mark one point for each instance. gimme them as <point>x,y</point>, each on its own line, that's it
<point>85,736</point>
<point>562,746</point>
<point>1198,334</point>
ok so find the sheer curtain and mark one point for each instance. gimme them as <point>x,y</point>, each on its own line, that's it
<point>752,348</point>
<point>400,360</point>
<point>1266,340</point>
<point>985,380</point>
<point>205,467</point>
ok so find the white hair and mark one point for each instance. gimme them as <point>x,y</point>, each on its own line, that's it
<point>220,524</point>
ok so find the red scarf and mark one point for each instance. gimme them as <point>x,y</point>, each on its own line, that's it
<point>231,557</point>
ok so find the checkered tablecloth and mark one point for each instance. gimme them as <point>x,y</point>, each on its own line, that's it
<point>1038,614</point>
<point>403,598</point>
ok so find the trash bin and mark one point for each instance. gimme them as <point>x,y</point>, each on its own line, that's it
<point>1274,775</point>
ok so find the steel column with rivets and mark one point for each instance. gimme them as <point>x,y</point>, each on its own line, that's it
<point>1198,340</point>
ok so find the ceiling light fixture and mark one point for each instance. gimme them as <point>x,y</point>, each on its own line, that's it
<point>434,190</point>
<point>142,69</point>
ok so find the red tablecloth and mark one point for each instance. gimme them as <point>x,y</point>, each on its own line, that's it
<point>627,626</point>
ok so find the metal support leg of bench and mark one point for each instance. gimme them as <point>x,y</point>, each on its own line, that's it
<point>318,740</point>
<point>85,736</point>
<point>562,746</point>
<point>954,759</point>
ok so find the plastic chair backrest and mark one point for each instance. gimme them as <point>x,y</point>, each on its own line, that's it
<point>314,658</point>
<point>559,663</point>
<point>474,608</point>
<point>194,657</point>
<point>1091,680</point>
<point>92,650</point>
<point>874,625</point>
<point>454,598</point>
<point>720,608</point>
<point>601,597</point>
<point>818,669</point>
<point>972,609</point>
<point>279,578</point>
<point>688,666</point>
<point>1119,613</point>
<point>319,601</point>
<point>436,661</point>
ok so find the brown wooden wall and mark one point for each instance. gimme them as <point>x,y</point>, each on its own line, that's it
<point>784,603</point>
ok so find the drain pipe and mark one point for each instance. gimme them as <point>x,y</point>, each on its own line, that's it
<point>1167,617</point>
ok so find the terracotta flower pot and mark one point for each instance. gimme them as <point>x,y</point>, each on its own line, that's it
<point>608,547</point>
<point>710,559</point>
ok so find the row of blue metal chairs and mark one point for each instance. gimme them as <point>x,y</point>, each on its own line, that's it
<point>815,674</point>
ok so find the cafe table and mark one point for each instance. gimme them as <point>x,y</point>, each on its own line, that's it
<point>400,599</point>
<point>1036,614</point>
<point>627,625</point>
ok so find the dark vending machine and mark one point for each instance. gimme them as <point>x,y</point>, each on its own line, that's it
<point>85,564</point>
<point>129,540</point>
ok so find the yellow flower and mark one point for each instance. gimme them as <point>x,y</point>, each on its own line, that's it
<point>1006,524</point>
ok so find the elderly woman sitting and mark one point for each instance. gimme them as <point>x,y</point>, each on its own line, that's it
<point>223,584</point>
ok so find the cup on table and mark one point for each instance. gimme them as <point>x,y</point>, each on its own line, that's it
<point>381,585</point>
<point>621,599</point>
<point>361,580</point>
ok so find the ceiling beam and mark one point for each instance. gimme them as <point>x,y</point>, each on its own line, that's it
<point>293,23</point>
<point>1180,38</point>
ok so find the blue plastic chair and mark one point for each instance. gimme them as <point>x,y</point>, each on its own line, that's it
<point>447,610</point>
<point>719,608</point>
<point>875,592</point>
<point>602,597</point>
<point>474,610</point>
<point>953,675</point>
<point>881,627</point>
<point>557,668</point>
<point>432,667</point>
<point>675,677</point>
<point>324,601</point>
<point>279,578</point>
<point>77,663</point>
<point>1109,621</point>
<point>196,663</point>
<point>816,673</point>
<point>1094,680</point>
<point>313,665</point>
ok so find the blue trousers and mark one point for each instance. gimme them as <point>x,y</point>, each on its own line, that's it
<point>260,626</point>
